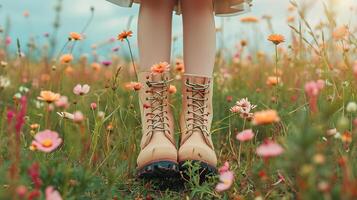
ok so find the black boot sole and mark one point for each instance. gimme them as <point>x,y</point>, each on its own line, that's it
<point>205,170</point>
<point>160,169</point>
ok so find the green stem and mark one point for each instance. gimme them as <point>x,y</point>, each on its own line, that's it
<point>276,74</point>
<point>132,58</point>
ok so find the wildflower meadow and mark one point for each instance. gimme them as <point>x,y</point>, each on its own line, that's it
<point>284,125</point>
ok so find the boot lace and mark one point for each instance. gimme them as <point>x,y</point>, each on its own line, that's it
<point>197,107</point>
<point>157,118</point>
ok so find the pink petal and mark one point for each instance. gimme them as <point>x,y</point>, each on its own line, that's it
<point>77,89</point>
<point>46,134</point>
<point>52,194</point>
<point>226,179</point>
<point>269,149</point>
<point>226,176</point>
<point>224,168</point>
<point>220,187</point>
<point>320,84</point>
<point>85,89</point>
<point>245,135</point>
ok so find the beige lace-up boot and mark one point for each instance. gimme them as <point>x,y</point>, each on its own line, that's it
<point>158,155</point>
<point>195,122</point>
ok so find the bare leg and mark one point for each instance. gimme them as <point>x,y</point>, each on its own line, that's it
<point>199,37</point>
<point>154,32</point>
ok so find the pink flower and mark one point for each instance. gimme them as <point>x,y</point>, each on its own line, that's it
<point>269,149</point>
<point>8,40</point>
<point>50,107</point>
<point>18,116</point>
<point>81,90</point>
<point>243,107</point>
<point>52,194</point>
<point>312,90</point>
<point>235,109</point>
<point>62,102</point>
<point>226,181</point>
<point>78,117</point>
<point>224,168</point>
<point>245,135</point>
<point>46,141</point>
<point>112,39</point>
<point>106,63</point>
<point>93,106</point>
<point>10,115</point>
<point>21,191</point>
<point>115,49</point>
<point>34,173</point>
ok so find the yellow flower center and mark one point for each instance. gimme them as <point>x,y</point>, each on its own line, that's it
<point>47,143</point>
<point>227,181</point>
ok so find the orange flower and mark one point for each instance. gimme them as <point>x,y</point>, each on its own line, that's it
<point>66,58</point>
<point>34,126</point>
<point>276,38</point>
<point>45,77</point>
<point>172,89</point>
<point>124,35</point>
<point>273,80</point>
<point>180,68</point>
<point>265,117</point>
<point>249,19</point>
<point>75,36</point>
<point>96,66</point>
<point>48,96</point>
<point>133,86</point>
<point>69,70</point>
<point>346,137</point>
<point>340,33</point>
<point>291,19</point>
<point>160,68</point>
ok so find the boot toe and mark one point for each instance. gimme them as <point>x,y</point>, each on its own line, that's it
<point>156,153</point>
<point>196,152</point>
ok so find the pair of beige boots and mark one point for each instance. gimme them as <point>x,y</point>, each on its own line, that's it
<point>159,155</point>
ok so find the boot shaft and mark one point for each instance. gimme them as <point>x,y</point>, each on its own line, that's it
<point>156,114</point>
<point>197,110</point>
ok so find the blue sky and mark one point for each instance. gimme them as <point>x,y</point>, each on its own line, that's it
<point>110,19</point>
